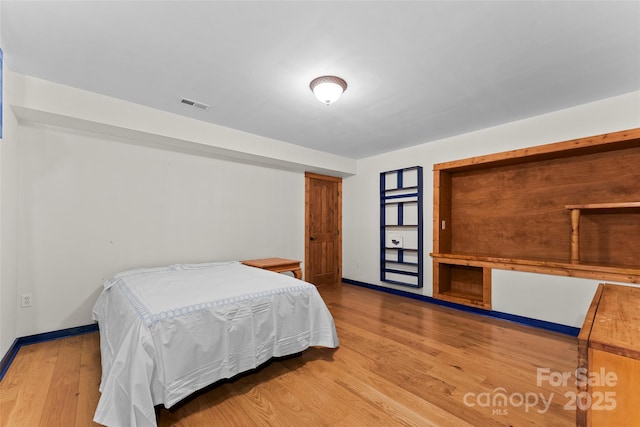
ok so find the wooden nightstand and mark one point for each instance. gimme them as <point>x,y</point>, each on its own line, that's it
<point>279,265</point>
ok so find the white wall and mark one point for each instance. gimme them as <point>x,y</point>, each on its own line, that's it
<point>46,102</point>
<point>92,185</point>
<point>80,205</point>
<point>8,221</point>
<point>91,206</point>
<point>361,202</point>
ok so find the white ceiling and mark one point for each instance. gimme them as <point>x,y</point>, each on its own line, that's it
<point>417,71</point>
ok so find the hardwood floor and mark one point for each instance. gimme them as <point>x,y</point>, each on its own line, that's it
<point>400,362</point>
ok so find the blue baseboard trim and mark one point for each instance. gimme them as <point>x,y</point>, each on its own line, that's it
<point>8,358</point>
<point>38,338</point>
<point>522,320</point>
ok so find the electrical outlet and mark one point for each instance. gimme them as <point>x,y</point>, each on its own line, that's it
<point>26,300</point>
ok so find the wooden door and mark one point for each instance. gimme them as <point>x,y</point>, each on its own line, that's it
<point>323,229</point>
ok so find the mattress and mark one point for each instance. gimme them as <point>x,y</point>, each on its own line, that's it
<point>167,332</point>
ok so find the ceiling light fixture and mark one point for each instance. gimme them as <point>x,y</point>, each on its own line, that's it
<point>328,89</point>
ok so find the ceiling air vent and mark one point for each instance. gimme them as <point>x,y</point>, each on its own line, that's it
<point>194,104</point>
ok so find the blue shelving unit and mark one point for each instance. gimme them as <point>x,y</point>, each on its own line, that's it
<point>401,236</point>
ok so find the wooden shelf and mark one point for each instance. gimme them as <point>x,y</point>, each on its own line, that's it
<point>575,221</point>
<point>462,283</point>
<point>462,298</point>
<point>575,147</point>
<point>508,211</point>
<point>560,268</point>
<point>623,205</point>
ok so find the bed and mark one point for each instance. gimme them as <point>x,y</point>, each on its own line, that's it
<point>167,332</point>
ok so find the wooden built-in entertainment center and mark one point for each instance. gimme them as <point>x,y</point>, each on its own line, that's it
<point>570,208</point>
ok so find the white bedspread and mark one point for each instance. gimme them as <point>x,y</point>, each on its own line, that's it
<point>168,332</point>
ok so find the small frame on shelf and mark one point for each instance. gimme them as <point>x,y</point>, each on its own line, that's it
<point>401,236</point>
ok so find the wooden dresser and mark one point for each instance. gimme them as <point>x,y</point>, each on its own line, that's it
<point>609,359</point>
